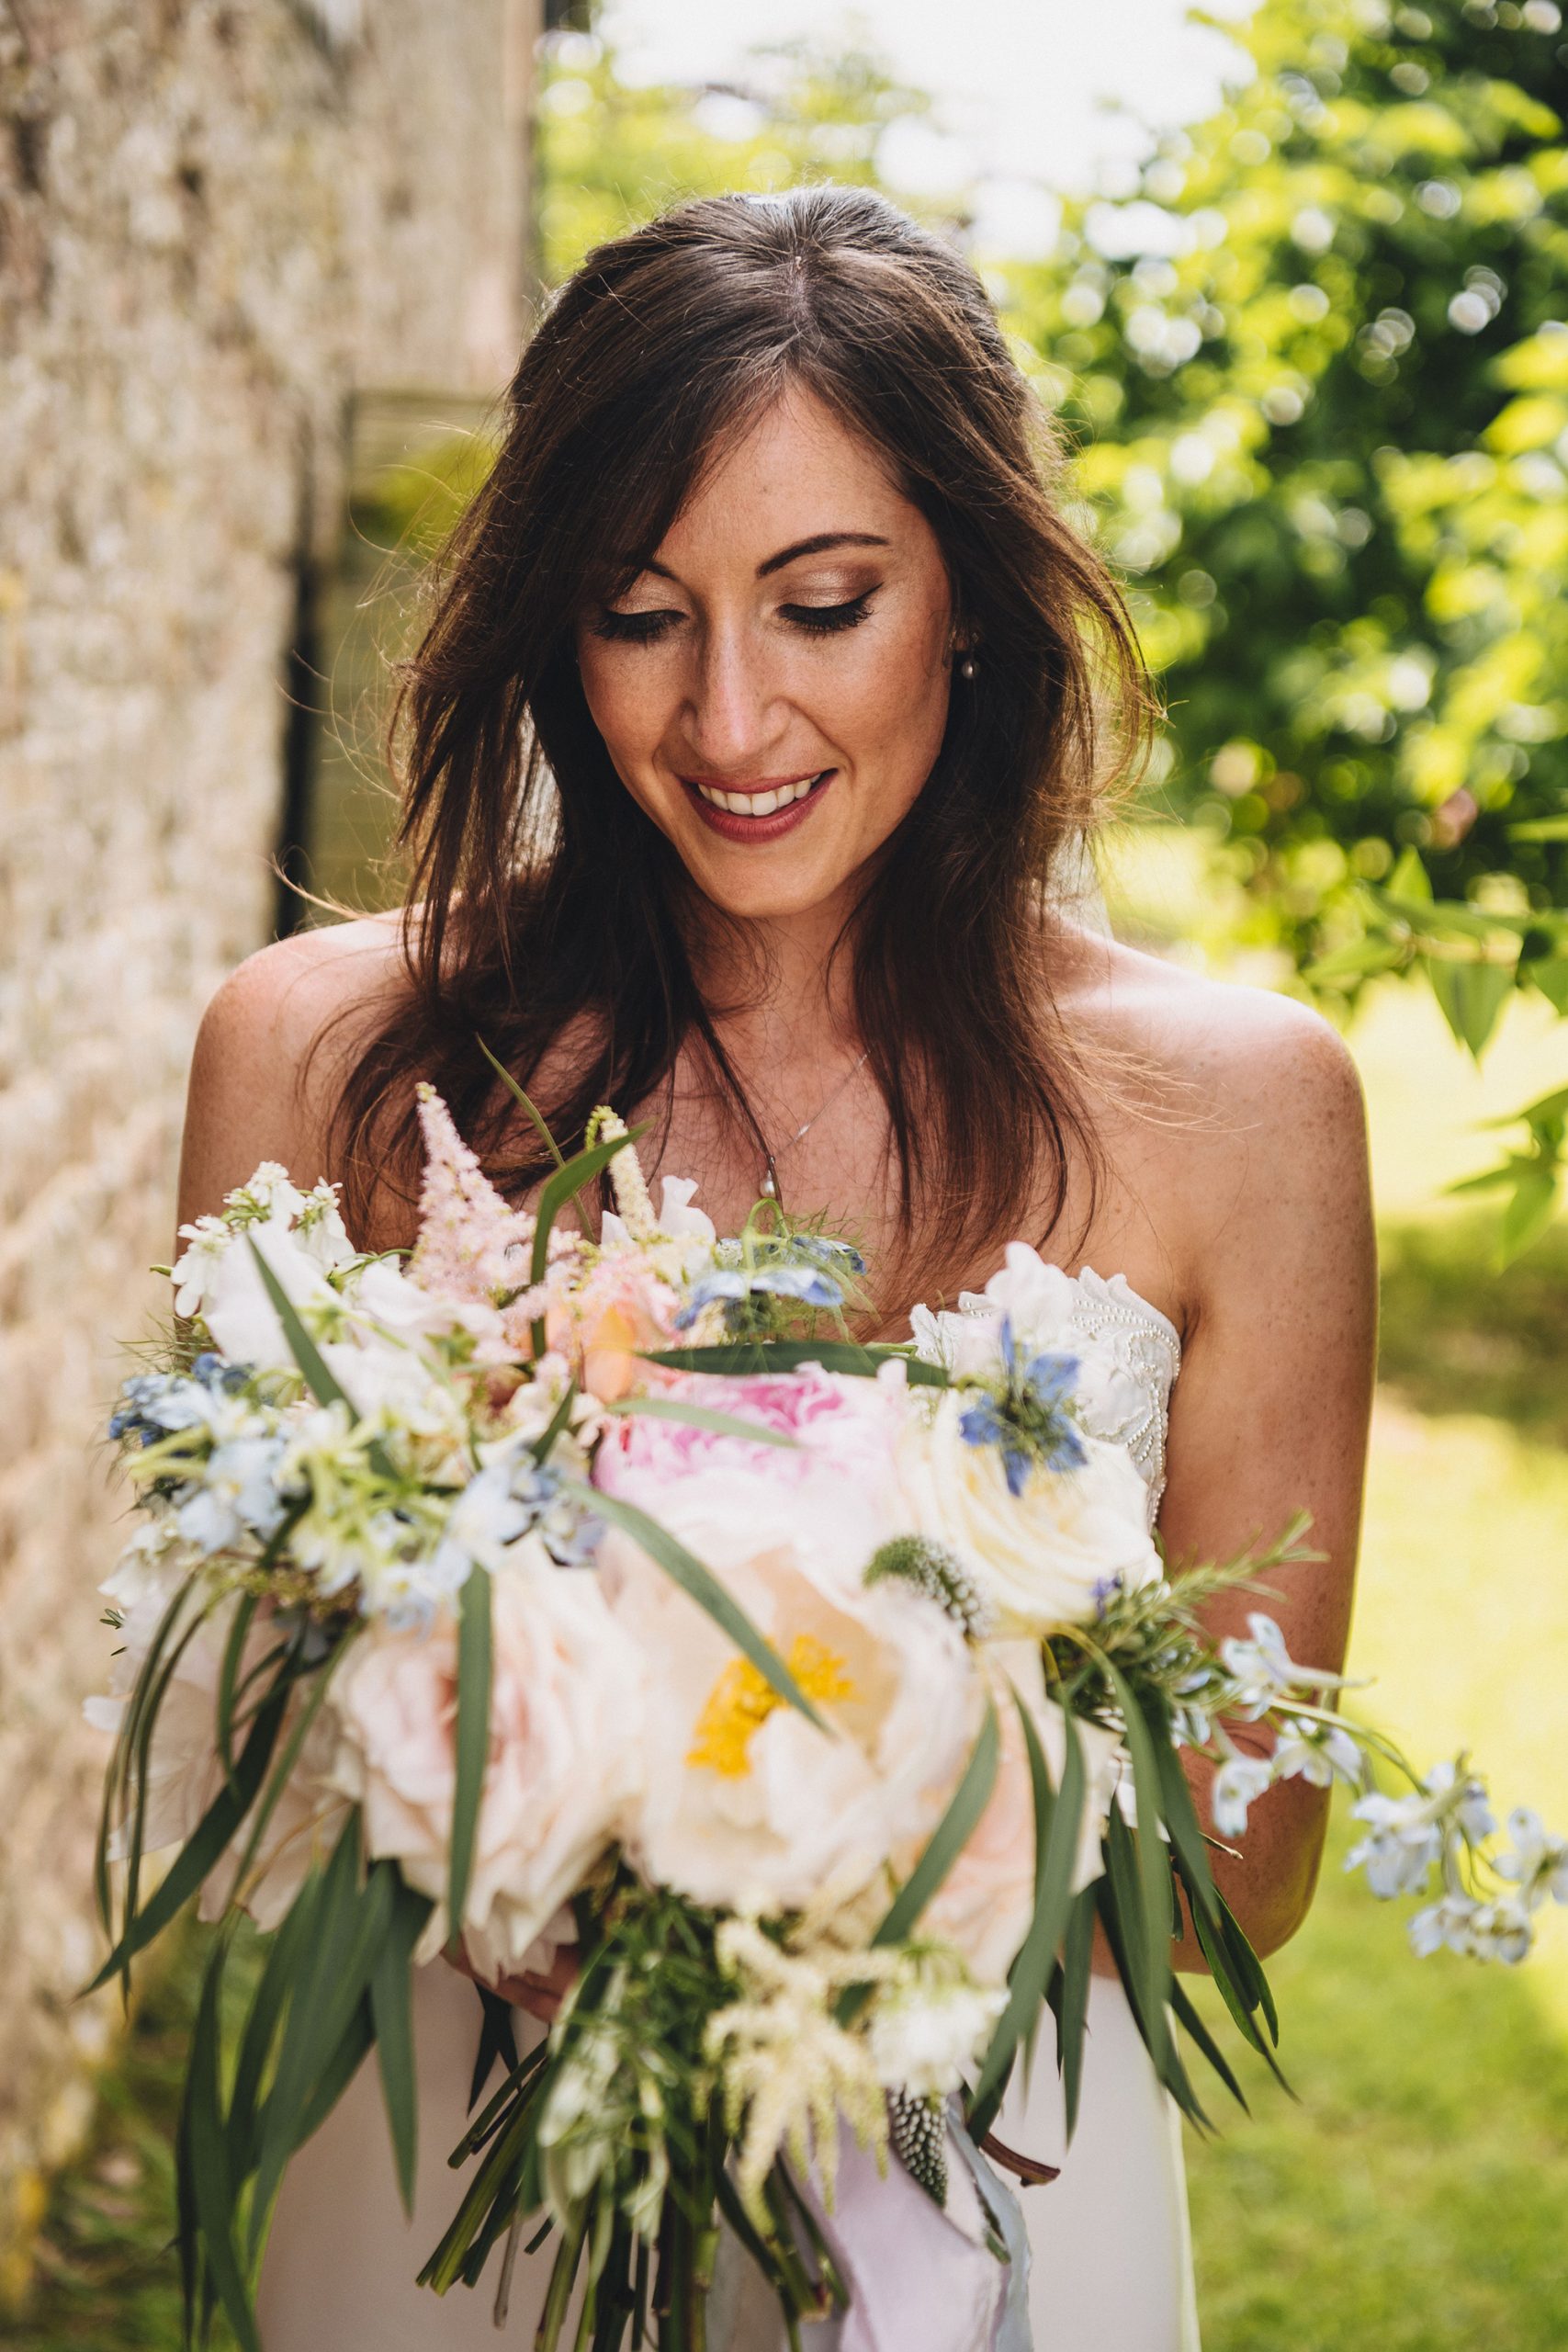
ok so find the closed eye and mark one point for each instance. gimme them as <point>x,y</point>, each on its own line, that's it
<point>825,620</point>
<point>633,629</point>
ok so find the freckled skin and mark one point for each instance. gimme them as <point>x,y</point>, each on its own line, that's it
<point>1229,1118</point>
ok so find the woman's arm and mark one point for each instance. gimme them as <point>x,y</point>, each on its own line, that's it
<point>271,1054</point>
<point>1270,1414</point>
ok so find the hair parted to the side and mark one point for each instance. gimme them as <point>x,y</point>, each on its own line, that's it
<point>541,894</point>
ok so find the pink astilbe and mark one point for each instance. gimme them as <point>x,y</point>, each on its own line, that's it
<point>471,1245</point>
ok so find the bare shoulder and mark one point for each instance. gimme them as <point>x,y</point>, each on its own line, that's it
<point>1233,1115</point>
<point>273,1048</point>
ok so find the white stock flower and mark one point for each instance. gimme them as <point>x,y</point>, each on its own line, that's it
<point>1042,1558</point>
<point>931,2023</point>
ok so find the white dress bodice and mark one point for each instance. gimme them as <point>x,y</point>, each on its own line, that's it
<point>1110,2256</point>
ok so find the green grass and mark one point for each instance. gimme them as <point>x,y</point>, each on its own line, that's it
<point>1413,2200</point>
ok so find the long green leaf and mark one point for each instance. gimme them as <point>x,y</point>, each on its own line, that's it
<point>472,1738</point>
<point>705,1588</point>
<point>740,1356</point>
<point>285,1951</point>
<point>116,1778</point>
<point>206,1842</point>
<point>1237,1997</point>
<point>1056,1821</point>
<point>1072,2003</point>
<point>351,1926</point>
<point>212,2186</point>
<point>229,1675</point>
<point>702,1417</point>
<point>559,1420</point>
<point>1120,1902</point>
<point>950,1836</point>
<point>571,1178</point>
<point>1192,2023</point>
<point>1182,1821</point>
<point>536,1116</point>
<point>392,2013</point>
<point>1154,1887</point>
<point>279,1776</point>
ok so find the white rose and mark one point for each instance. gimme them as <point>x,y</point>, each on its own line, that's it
<point>1047,1556</point>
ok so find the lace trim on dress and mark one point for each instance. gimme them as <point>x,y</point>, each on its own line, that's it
<point>1136,1358</point>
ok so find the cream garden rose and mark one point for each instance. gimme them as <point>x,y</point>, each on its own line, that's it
<point>1041,1558</point>
<point>565,1751</point>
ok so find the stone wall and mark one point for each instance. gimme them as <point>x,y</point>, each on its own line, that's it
<point>216,222</point>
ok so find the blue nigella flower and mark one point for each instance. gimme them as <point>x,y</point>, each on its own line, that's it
<point>1025,1415</point>
<point>733,1285</point>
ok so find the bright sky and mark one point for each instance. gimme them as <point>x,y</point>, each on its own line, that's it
<point>1022,86</point>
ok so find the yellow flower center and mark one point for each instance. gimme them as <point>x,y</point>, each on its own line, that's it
<point>741,1701</point>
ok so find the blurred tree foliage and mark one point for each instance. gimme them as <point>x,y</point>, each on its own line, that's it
<point>1316,368</point>
<point>1319,365</point>
<point>614,152</point>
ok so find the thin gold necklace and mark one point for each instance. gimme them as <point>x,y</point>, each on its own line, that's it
<point>769,1184</point>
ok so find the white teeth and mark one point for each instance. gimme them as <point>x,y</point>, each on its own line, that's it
<point>759,804</point>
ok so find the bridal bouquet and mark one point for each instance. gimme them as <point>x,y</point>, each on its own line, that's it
<point>536,1591</point>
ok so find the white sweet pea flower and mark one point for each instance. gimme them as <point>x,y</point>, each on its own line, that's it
<point>1319,1753</point>
<point>1538,1860</point>
<point>236,1308</point>
<point>1502,1930</point>
<point>1462,1800</point>
<point>1265,1671</point>
<point>1403,1843</point>
<point>238,1495</point>
<point>1444,1924</point>
<point>195,1271</point>
<point>1237,1786</point>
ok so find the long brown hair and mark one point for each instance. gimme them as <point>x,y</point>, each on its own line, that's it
<point>541,894</point>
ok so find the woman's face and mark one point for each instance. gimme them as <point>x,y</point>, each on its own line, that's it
<point>772,690</point>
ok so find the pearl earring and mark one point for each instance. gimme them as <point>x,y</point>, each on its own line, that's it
<point>967,667</point>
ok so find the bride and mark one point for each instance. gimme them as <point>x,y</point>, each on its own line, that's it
<point>768,694</point>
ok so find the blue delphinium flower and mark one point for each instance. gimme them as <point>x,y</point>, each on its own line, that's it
<point>732,1286</point>
<point>1025,1414</point>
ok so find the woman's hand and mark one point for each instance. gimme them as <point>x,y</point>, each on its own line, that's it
<point>541,1995</point>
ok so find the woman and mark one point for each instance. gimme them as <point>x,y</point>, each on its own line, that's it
<point>766,692</point>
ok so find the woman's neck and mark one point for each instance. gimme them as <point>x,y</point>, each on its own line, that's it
<point>782,999</point>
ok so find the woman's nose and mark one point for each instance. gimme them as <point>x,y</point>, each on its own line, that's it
<point>731,700</point>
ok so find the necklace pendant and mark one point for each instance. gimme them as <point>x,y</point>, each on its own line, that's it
<point>768,1187</point>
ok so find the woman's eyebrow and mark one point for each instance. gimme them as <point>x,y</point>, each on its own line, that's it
<point>816,545</point>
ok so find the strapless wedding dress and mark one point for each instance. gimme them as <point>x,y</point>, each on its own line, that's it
<point>1110,2256</point>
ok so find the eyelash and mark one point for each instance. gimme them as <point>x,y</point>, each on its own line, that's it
<point>813,620</point>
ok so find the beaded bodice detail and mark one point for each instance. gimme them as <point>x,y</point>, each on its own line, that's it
<point>1131,1356</point>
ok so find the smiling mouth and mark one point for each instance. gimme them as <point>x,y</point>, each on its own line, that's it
<point>756,805</point>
